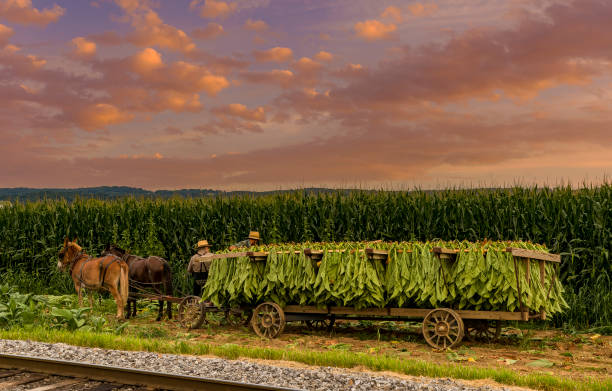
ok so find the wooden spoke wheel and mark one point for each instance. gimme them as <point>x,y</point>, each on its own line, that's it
<point>443,328</point>
<point>483,330</point>
<point>190,312</point>
<point>268,320</point>
<point>237,317</point>
<point>325,324</point>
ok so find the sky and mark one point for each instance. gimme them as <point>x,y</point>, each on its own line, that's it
<point>277,94</point>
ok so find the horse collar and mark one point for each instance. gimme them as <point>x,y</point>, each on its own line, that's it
<point>75,259</point>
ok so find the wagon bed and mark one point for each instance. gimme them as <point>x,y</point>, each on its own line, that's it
<point>442,327</point>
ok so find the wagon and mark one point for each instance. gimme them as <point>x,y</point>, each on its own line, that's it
<point>442,327</point>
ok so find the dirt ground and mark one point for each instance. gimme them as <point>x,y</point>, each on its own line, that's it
<point>524,350</point>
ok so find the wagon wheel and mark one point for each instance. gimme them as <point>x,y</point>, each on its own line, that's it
<point>443,328</point>
<point>326,324</point>
<point>190,313</point>
<point>268,320</point>
<point>483,330</point>
<point>237,317</point>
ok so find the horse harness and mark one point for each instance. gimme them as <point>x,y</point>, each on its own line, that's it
<point>103,269</point>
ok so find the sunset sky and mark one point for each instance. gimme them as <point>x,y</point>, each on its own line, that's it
<point>266,94</point>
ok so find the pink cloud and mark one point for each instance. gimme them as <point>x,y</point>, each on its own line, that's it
<point>372,30</point>
<point>275,54</point>
<point>256,25</point>
<point>281,77</point>
<point>211,30</point>
<point>241,111</point>
<point>394,13</point>
<point>212,9</point>
<point>150,30</point>
<point>419,9</point>
<point>323,56</point>
<point>83,47</point>
<point>5,33</point>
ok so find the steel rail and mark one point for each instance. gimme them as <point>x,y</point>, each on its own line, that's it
<point>127,376</point>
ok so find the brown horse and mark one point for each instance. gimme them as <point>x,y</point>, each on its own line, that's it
<point>107,272</point>
<point>145,274</point>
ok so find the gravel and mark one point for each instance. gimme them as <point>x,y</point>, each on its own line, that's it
<point>320,378</point>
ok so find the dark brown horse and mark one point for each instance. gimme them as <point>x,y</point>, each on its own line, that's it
<point>146,274</point>
<point>108,272</point>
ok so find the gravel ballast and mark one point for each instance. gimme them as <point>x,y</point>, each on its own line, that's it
<point>318,379</point>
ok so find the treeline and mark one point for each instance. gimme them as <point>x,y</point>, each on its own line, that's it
<point>575,223</point>
<point>116,192</point>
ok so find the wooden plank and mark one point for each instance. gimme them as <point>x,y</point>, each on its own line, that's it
<point>353,311</point>
<point>409,312</point>
<point>377,252</point>
<point>257,254</point>
<point>105,387</point>
<point>222,256</point>
<point>12,384</point>
<point>55,386</point>
<point>10,373</point>
<point>523,253</point>
<point>491,315</point>
<point>449,251</point>
<point>302,309</point>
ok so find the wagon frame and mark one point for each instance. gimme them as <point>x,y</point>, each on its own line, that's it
<point>442,327</point>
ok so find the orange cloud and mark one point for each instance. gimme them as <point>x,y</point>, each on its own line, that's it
<point>256,25</point>
<point>324,56</point>
<point>100,115</point>
<point>22,11</point>
<point>373,30</point>
<point>241,111</point>
<point>5,33</point>
<point>83,47</point>
<point>394,13</point>
<point>419,9</point>
<point>212,30</point>
<point>147,61</point>
<point>276,54</point>
<point>150,30</point>
<point>214,8</point>
<point>306,64</point>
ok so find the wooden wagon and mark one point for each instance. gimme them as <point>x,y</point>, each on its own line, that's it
<point>442,327</point>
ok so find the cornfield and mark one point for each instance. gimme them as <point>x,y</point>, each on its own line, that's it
<point>575,223</point>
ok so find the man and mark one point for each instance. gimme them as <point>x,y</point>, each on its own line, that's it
<point>251,240</point>
<point>199,266</point>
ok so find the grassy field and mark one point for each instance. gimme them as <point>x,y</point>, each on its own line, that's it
<point>536,358</point>
<point>143,336</point>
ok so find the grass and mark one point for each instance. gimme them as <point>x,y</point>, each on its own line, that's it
<point>336,358</point>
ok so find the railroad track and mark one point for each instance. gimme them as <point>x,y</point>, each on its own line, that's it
<point>41,374</point>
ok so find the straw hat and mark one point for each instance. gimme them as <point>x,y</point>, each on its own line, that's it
<point>203,243</point>
<point>254,235</point>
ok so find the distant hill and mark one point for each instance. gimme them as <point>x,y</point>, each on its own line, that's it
<point>113,192</point>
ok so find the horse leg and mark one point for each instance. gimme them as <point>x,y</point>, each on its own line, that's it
<point>160,313</point>
<point>80,293</point>
<point>134,307</point>
<point>90,294</point>
<point>127,305</point>
<point>113,290</point>
<point>168,289</point>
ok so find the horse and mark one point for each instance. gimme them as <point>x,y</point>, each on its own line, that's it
<point>107,272</point>
<point>145,273</point>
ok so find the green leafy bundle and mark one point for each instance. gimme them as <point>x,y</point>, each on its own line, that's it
<point>482,277</point>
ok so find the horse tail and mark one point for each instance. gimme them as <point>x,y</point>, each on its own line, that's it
<point>124,282</point>
<point>167,278</point>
